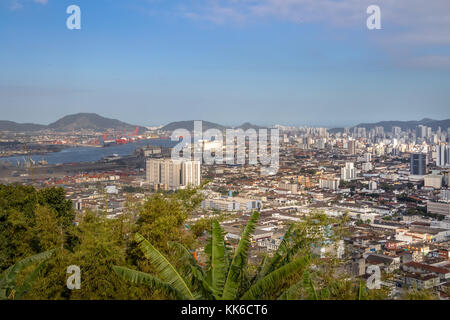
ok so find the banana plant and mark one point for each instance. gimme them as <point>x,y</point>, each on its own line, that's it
<point>223,276</point>
<point>9,288</point>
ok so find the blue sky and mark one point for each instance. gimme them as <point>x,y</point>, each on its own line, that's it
<point>298,62</point>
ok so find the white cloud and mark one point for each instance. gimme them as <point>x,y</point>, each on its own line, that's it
<point>406,24</point>
<point>421,21</point>
<point>18,4</point>
<point>15,5</point>
<point>217,14</point>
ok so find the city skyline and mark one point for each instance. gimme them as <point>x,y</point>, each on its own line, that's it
<point>216,152</point>
<point>294,63</point>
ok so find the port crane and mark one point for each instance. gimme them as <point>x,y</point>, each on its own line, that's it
<point>29,163</point>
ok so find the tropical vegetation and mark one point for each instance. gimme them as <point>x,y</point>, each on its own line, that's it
<point>153,251</point>
<point>225,276</point>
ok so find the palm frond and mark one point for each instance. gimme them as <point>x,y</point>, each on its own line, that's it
<point>268,282</point>
<point>11,273</point>
<point>292,292</point>
<point>185,256</point>
<point>361,290</point>
<point>194,271</point>
<point>206,291</point>
<point>27,285</point>
<point>309,284</point>
<point>165,269</point>
<point>278,255</point>
<point>239,261</point>
<point>139,277</point>
<point>305,285</point>
<point>291,253</point>
<point>217,267</point>
<point>8,279</point>
<point>265,261</point>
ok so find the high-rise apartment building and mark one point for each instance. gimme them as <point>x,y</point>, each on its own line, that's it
<point>445,195</point>
<point>320,143</point>
<point>329,182</point>
<point>379,131</point>
<point>190,173</point>
<point>396,131</point>
<point>173,174</point>
<point>348,172</point>
<point>359,132</point>
<point>367,157</point>
<point>352,147</point>
<point>418,164</point>
<point>442,155</point>
<point>421,131</point>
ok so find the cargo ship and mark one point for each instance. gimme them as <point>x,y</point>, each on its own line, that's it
<point>122,140</point>
<point>109,143</point>
<point>125,139</point>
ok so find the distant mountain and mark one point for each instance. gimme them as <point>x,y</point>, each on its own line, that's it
<point>248,125</point>
<point>19,127</point>
<point>89,121</point>
<point>189,125</point>
<point>72,122</point>
<point>405,125</point>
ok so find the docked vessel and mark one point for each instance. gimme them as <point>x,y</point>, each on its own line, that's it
<point>108,143</point>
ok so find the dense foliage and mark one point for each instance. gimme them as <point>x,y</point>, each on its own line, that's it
<point>41,236</point>
<point>33,221</point>
<point>225,275</point>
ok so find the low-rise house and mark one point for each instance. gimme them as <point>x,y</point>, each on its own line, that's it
<point>415,267</point>
<point>387,263</point>
<point>394,244</point>
<point>421,281</point>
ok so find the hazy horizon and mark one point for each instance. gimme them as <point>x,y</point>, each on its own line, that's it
<point>266,123</point>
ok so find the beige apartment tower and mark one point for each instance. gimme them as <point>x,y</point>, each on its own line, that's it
<point>170,174</point>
